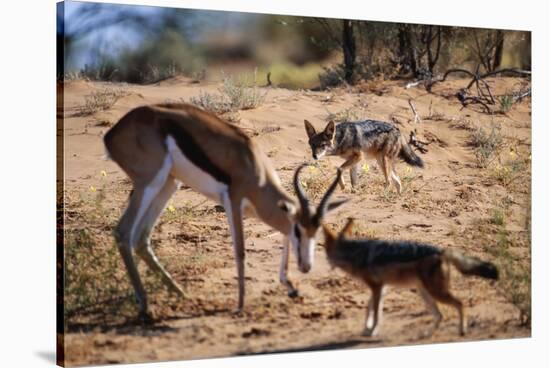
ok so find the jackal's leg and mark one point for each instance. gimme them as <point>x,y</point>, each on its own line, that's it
<point>432,307</point>
<point>283,270</point>
<point>354,174</point>
<point>445,296</point>
<point>382,165</point>
<point>369,318</point>
<point>144,249</point>
<point>395,179</point>
<point>352,161</point>
<point>387,169</point>
<point>234,217</point>
<point>376,303</point>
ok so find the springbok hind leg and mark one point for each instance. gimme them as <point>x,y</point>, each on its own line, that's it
<point>144,249</point>
<point>129,229</point>
<point>125,235</point>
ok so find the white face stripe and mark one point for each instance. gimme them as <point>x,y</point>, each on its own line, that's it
<point>186,171</point>
<point>304,248</point>
<point>149,194</point>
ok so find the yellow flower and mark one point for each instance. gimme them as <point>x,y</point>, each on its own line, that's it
<point>366,168</point>
<point>171,209</point>
<point>409,170</point>
<point>103,173</point>
<point>304,184</point>
<point>92,188</point>
<point>312,169</point>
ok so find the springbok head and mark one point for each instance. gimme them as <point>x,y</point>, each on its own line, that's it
<point>306,220</point>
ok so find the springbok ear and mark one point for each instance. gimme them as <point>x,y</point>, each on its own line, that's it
<point>334,205</point>
<point>288,207</point>
<point>330,130</point>
<point>310,129</point>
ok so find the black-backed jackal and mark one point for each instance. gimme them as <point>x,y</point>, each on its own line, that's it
<point>406,264</point>
<point>354,140</point>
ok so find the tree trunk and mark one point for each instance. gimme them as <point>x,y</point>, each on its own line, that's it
<point>407,52</point>
<point>348,45</point>
<point>499,46</point>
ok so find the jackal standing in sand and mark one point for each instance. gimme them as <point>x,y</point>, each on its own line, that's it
<point>354,140</point>
<point>402,263</point>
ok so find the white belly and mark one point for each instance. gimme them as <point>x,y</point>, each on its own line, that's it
<point>186,171</point>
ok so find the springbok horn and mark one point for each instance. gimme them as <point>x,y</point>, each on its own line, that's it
<point>304,202</point>
<point>324,202</point>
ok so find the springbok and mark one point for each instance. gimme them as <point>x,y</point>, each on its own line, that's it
<point>160,146</point>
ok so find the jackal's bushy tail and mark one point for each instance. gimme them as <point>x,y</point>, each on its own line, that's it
<point>407,154</point>
<point>471,265</point>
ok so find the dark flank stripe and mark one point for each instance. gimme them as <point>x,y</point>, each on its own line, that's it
<point>193,152</point>
<point>365,253</point>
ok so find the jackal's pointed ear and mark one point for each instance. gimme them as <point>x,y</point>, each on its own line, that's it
<point>330,237</point>
<point>288,207</point>
<point>330,130</point>
<point>347,230</point>
<point>310,129</point>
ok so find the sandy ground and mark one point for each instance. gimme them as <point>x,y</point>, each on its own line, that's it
<point>450,203</point>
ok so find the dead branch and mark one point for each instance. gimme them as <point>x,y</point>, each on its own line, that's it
<point>416,116</point>
<point>419,145</point>
<point>485,96</point>
<point>517,97</point>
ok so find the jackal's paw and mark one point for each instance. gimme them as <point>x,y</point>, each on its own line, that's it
<point>293,293</point>
<point>369,332</point>
<point>237,312</point>
<point>145,318</point>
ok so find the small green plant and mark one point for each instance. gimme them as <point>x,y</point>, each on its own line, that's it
<point>514,266</point>
<point>211,102</point>
<point>505,102</point>
<point>498,216</point>
<point>487,144</point>
<point>240,96</point>
<point>234,96</point>
<point>92,272</point>
<point>100,101</point>
<point>348,114</point>
<point>508,172</point>
<point>332,77</point>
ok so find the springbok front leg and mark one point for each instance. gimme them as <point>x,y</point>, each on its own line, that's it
<point>143,248</point>
<point>283,270</point>
<point>234,217</point>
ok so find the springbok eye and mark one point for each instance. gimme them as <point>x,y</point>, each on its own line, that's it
<point>297,232</point>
